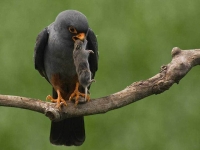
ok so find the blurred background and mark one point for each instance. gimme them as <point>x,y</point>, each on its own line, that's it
<point>135,38</point>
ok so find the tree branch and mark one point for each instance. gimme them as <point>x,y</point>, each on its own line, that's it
<point>182,62</point>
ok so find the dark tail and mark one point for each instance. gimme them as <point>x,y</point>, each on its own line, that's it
<point>68,132</point>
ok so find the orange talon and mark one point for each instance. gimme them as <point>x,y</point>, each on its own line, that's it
<point>77,94</point>
<point>60,101</point>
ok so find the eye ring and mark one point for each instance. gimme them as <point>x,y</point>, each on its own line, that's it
<point>72,29</point>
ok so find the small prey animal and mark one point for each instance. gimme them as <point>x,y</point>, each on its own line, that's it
<point>81,55</point>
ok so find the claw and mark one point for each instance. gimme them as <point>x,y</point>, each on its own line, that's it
<point>60,101</point>
<point>77,94</point>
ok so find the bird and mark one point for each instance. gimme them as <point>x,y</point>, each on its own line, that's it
<point>53,59</point>
<point>81,55</point>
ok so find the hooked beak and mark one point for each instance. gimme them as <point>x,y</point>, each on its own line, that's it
<point>80,36</point>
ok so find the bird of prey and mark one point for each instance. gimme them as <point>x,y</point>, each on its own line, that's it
<point>53,58</point>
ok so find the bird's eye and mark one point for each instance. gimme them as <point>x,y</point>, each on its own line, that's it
<point>72,29</point>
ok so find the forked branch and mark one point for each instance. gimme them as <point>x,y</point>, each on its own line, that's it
<point>182,62</point>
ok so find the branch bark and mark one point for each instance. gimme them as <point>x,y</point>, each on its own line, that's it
<point>182,62</point>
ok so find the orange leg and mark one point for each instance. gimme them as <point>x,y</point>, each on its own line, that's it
<point>77,94</point>
<point>60,101</point>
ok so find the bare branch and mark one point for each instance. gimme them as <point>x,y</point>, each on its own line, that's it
<point>182,62</point>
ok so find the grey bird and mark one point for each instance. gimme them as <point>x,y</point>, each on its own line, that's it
<point>81,55</point>
<point>53,58</point>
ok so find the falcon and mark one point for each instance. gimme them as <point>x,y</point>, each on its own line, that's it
<point>53,58</point>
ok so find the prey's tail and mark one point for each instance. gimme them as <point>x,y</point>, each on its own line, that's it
<point>86,89</point>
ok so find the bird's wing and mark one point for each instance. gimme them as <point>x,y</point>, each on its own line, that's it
<point>93,45</point>
<point>41,42</point>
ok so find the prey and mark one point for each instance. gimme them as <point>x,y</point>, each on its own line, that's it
<point>80,56</point>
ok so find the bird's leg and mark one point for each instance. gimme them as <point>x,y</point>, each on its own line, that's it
<point>60,101</point>
<point>77,94</point>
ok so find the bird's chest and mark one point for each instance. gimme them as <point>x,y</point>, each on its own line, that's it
<point>59,59</point>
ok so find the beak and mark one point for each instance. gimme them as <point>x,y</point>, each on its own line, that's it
<point>80,36</point>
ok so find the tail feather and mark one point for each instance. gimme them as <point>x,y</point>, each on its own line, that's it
<point>70,131</point>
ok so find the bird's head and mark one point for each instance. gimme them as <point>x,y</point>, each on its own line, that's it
<point>72,25</point>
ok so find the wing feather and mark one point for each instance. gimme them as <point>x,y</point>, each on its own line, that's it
<point>39,50</point>
<point>93,45</point>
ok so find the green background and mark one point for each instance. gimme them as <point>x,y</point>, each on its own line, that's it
<point>135,38</point>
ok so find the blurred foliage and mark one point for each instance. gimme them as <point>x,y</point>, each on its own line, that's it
<point>135,38</point>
